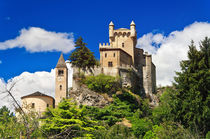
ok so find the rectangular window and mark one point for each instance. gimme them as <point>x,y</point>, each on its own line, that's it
<point>114,54</point>
<point>33,105</point>
<point>123,44</point>
<point>60,72</point>
<point>110,64</point>
<point>47,105</point>
<point>105,54</point>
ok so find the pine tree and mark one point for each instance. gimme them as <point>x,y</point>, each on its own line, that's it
<point>82,57</point>
<point>193,86</point>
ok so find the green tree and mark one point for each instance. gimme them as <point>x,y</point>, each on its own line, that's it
<point>9,126</point>
<point>68,121</point>
<point>193,88</point>
<point>82,57</point>
<point>167,109</point>
<point>169,130</point>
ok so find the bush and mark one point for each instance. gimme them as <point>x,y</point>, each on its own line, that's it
<point>114,132</point>
<point>102,83</point>
<point>166,110</point>
<point>169,130</point>
<point>141,126</point>
<point>112,113</point>
<point>208,135</point>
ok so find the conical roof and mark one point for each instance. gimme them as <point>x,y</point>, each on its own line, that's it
<point>111,23</point>
<point>132,23</point>
<point>61,62</point>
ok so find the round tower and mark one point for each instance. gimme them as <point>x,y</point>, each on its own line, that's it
<point>111,29</point>
<point>133,29</point>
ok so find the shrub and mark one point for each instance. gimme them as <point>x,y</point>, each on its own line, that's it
<point>141,126</point>
<point>114,132</point>
<point>169,130</point>
<point>208,135</point>
<point>102,83</point>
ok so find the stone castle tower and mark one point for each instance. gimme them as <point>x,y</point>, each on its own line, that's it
<point>121,54</point>
<point>61,80</point>
<point>121,47</point>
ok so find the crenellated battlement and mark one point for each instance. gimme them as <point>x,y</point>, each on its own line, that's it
<point>104,45</point>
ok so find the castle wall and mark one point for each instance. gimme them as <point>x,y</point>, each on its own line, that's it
<point>139,57</point>
<point>153,74</point>
<point>149,76</point>
<point>110,71</point>
<point>125,59</point>
<point>109,55</point>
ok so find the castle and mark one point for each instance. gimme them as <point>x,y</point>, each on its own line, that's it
<point>119,57</point>
<point>121,53</point>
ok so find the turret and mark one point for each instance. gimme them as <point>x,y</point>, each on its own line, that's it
<point>111,29</point>
<point>133,29</point>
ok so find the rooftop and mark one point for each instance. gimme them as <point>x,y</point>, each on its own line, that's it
<point>125,29</point>
<point>37,93</point>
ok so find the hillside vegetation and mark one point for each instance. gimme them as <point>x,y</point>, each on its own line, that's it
<point>183,111</point>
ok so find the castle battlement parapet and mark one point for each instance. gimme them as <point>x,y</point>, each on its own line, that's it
<point>104,45</point>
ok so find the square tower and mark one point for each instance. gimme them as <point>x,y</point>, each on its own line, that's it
<point>61,80</point>
<point>121,48</point>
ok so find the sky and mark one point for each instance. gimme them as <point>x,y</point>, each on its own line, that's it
<point>34,33</point>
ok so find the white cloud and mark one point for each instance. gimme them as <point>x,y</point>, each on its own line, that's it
<point>36,39</point>
<point>0,61</point>
<point>169,50</point>
<point>27,83</point>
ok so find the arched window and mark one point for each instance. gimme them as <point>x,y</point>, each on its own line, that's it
<point>33,105</point>
<point>105,54</point>
<point>60,72</point>
<point>60,87</point>
<point>114,55</point>
<point>123,44</point>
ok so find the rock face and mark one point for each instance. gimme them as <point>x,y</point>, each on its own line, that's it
<point>84,96</point>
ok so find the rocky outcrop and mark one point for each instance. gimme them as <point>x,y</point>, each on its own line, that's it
<point>84,96</point>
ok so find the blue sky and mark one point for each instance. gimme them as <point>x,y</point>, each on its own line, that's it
<point>89,19</point>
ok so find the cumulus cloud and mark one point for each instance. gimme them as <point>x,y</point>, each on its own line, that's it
<point>169,50</point>
<point>27,83</point>
<point>36,39</point>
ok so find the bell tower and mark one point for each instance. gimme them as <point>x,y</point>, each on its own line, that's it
<point>61,80</point>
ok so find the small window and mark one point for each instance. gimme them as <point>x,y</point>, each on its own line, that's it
<point>60,87</point>
<point>105,54</point>
<point>123,44</point>
<point>114,55</point>
<point>47,105</point>
<point>33,105</point>
<point>110,64</point>
<point>60,72</point>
